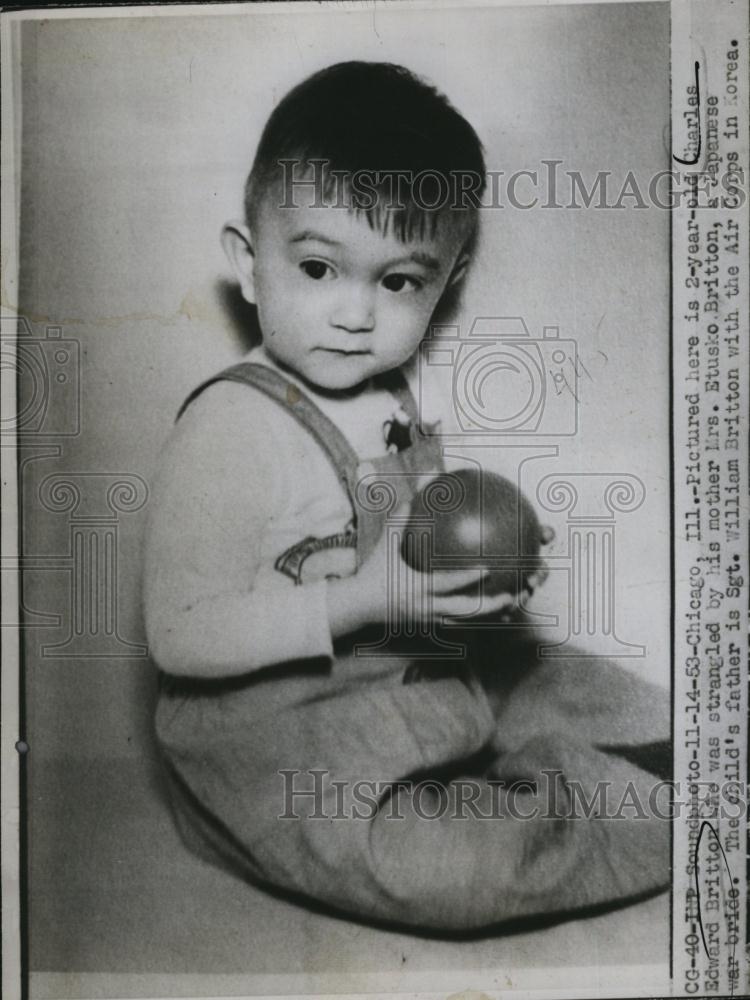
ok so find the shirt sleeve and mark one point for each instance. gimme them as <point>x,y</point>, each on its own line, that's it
<point>211,608</point>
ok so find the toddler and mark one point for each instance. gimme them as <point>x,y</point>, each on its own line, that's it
<point>304,751</point>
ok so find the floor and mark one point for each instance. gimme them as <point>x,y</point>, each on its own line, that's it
<point>112,890</point>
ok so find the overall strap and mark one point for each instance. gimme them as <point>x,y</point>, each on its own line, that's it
<point>340,453</point>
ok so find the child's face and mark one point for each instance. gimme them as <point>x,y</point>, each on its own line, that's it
<point>338,301</point>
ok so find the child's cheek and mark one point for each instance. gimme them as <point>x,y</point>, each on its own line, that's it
<point>418,310</point>
<point>406,326</point>
<point>407,307</point>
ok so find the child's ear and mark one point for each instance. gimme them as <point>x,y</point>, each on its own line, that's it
<point>238,246</point>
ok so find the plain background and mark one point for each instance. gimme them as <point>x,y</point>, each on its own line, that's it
<point>137,137</point>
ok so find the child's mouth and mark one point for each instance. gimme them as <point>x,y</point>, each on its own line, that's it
<point>340,352</point>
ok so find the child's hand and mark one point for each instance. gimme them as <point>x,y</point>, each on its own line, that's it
<point>424,597</point>
<point>540,574</point>
<point>537,578</point>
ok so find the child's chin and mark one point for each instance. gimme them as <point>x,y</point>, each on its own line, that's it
<point>330,379</point>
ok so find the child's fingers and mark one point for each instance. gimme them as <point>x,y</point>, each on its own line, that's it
<point>537,578</point>
<point>456,605</point>
<point>495,603</point>
<point>448,581</point>
<point>547,534</point>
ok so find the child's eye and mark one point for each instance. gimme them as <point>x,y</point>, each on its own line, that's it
<point>401,282</point>
<point>316,269</point>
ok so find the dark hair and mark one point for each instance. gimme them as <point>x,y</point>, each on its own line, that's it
<point>372,129</point>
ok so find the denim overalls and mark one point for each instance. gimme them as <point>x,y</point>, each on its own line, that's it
<point>304,777</point>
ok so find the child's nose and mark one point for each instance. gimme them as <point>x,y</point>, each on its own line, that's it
<point>354,310</point>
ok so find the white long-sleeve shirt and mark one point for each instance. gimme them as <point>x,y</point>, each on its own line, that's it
<point>240,482</point>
